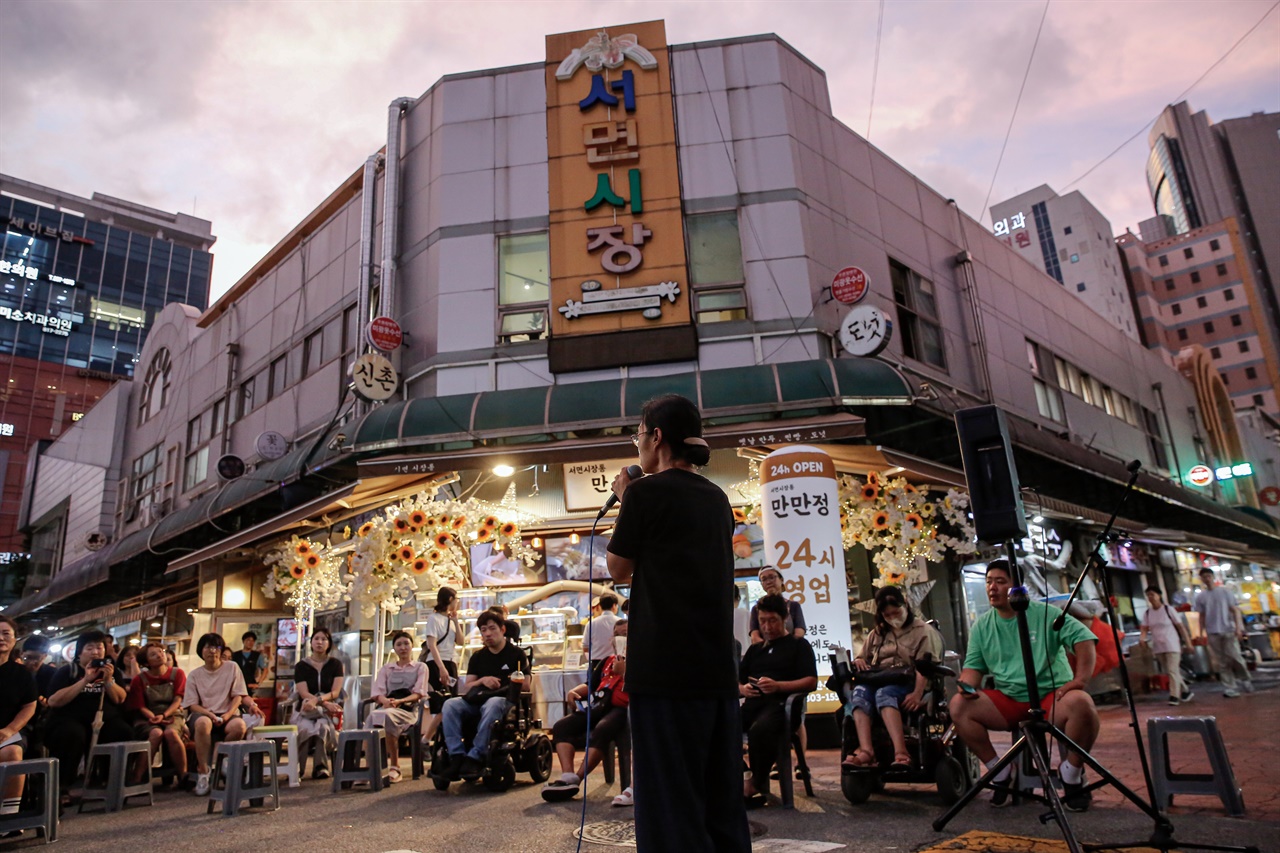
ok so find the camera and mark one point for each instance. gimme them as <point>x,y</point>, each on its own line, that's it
<point>97,664</point>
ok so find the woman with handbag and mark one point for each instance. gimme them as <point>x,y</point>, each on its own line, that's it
<point>440,652</point>
<point>608,720</point>
<point>397,689</point>
<point>318,682</point>
<point>893,646</point>
<point>1169,641</point>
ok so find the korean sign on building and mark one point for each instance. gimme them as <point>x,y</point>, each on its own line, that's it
<point>619,285</point>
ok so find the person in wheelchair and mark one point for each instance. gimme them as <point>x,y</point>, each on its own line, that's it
<point>397,689</point>
<point>781,665</point>
<point>496,674</point>
<point>608,721</point>
<point>897,642</point>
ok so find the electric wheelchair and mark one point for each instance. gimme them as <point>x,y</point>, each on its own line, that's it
<point>939,757</point>
<point>517,744</point>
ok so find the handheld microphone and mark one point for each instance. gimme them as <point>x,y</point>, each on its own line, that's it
<point>635,472</point>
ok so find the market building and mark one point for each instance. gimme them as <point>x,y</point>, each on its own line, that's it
<point>81,282</point>
<point>557,242</point>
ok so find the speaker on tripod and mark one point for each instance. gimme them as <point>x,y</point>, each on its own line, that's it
<point>994,495</point>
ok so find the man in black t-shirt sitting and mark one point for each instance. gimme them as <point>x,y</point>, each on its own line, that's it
<point>496,672</point>
<point>770,672</point>
<point>250,660</point>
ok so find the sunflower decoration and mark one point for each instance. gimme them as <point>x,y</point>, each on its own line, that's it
<point>400,524</point>
<point>914,518</point>
<point>739,515</point>
<point>434,556</point>
<point>307,573</point>
<point>459,522</point>
<point>298,571</point>
<point>443,520</point>
<point>490,521</point>
<point>443,539</point>
<point>419,565</point>
<point>417,519</point>
<point>484,534</point>
<point>405,554</point>
<point>880,521</point>
<point>302,548</point>
<point>508,530</point>
<point>873,478</point>
<point>365,529</point>
<point>311,560</point>
<point>870,492</point>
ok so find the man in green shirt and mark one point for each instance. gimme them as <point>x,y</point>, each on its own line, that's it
<point>995,649</point>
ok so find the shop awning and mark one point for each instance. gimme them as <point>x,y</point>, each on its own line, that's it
<point>74,577</point>
<point>554,412</point>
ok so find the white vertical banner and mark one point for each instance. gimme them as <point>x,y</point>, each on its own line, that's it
<point>800,514</point>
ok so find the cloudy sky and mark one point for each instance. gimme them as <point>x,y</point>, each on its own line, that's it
<point>249,113</point>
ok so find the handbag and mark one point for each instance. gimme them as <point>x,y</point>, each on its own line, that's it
<point>479,695</point>
<point>890,675</point>
<point>403,693</point>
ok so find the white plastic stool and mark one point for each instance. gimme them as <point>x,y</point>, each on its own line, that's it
<point>286,741</point>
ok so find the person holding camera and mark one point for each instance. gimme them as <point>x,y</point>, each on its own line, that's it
<point>78,692</point>
<point>398,688</point>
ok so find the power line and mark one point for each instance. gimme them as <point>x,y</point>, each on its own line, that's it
<point>1009,131</point>
<point>875,69</point>
<point>1177,98</point>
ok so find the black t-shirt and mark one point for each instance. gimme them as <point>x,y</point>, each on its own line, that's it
<point>498,664</point>
<point>320,681</point>
<point>84,706</point>
<point>17,689</point>
<point>248,663</point>
<point>677,527</point>
<point>44,677</point>
<point>784,659</point>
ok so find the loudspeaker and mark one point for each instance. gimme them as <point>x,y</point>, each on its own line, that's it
<point>994,495</point>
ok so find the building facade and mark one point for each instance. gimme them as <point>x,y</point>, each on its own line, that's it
<point>560,241</point>
<point>81,281</point>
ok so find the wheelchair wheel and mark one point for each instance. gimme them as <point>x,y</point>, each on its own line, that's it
<point>501,775</point>
<point>538,755</point>
<point>952,779</point>
<point>858,787</point>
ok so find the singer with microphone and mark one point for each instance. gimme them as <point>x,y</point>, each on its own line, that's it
<point>675,530</point>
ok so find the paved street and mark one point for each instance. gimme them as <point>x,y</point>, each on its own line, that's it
<point>413,816</point>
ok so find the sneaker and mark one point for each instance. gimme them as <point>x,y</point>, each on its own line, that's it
<point>1188,696</point>
<point>1248,686</point>
<point>1075,798</point>
<point>472,769</point>
<point>202,784</point>
<point>322,773</point>
<point>1002,792</point>
<point>1231,694</point>
<point>626,798</point>
<point>1173,700</point>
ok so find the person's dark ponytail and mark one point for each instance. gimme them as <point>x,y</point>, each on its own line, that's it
<point>681,425</point>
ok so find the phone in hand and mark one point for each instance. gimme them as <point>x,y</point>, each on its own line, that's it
<point>966,687</point>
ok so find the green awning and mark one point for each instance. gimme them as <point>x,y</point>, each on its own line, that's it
<point>726,395</point>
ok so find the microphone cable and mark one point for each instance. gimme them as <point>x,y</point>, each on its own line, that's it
<point>591,578</point>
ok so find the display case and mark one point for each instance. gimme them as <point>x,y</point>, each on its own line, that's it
<point>543,632</point>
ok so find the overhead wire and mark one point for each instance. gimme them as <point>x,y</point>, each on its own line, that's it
<point>1017,103</point>
<point>875,69</point>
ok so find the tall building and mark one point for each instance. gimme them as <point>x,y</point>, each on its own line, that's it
<point>1069,240</point>
<point>1200,173</point>
<point>1197,288</point>
<point>81,281</point>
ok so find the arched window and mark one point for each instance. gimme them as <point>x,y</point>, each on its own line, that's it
<point>155,388</point>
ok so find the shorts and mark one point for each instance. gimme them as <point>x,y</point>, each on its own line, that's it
<point>1014,711</point>
<point>888,696</point>
<point>439,693</point>
<point>177,724</point>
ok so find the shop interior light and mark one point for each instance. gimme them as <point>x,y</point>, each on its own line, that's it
<point>1186,589</point>
<point>155,625</point>
<point>35,631</point>
<point>234,597</point>
<point>134,641</point>
<point>574,539</point>
<point>56,648</point>
<point>536,542</point>
<point>503,470</point>
<point>1039,519</point>
<point>1248,577</point>
<point>1247,594</point>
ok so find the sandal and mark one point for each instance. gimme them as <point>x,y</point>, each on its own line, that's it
<point>861,758</point>
<point>395,775</point>
<point>626,798</point>
<point>901,761</point>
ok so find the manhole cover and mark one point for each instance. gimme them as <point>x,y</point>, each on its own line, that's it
<point>622,833</point>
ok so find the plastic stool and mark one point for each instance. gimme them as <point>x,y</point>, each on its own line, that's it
<point>1028,776</point>
<point>362,757</point>
<point>45,820</point>
<point>623,746</point>
<point>252,774</point>
<point>1221,782</point>
<point>110,783</point>
<point>286,741</point>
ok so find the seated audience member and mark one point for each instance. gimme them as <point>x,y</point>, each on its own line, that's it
<point>77,692</point>
<point>251,661</point>
<point>899,639</point>
<point>155,699</point>
<point>17,706</point>
<point>35,654</point>
<point>318,680</point>
<point>771,670</point>
<point>491,672</point>
<point>440,654</point>
<point>398,688</point>
<point>510,627</point>
<point>597,638</point>
<point>127,666</point>
<point>213,698</point>
<point>771,580</point>
<point>995,649</point>
<point>608,718</point>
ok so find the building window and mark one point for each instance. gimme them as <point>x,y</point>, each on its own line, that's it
<point>278,377</point>
<point>1257,399</point>
<point>1188,253</point>
<point>1075,259</point>
<point>350,336</point>
<point>524,286</point>
<point>1048,398</point>
<point>1176,308</point>
<point>1214,245</point>
<point>1164,260</point>
<point>1080,287</point>
<point>1208,327</point>
<point>1251,373</point>
<point>144,482</point>
<point>1155,439</point>
<point>1243,346</point>
<point>1235,320</point>
<point>917,315</point>
<point>1222,269</point>
<point>1195,278</point>
<point>195,468</point>
<point>217,417</point>
<point>1202,302</point>
<point>252,394</point>
<point>155,387</point>
<point>1182,334</point>
<point>1229,295</point>
<point>719,305</point>
<point>1066,229</point>
<point>715,263</point>
<point>1069,378</point>
<point>312,352</point>
<point>47,540</point>
<point>1215,352</point>
<point>1048,249</point>
<point>1168,284</point>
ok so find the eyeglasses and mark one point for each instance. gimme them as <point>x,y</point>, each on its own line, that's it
<point>635,439</point>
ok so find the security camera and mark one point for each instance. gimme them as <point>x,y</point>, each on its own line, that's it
<point>338,441</point>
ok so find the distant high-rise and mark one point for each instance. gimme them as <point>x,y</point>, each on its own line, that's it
<point>80,282</point>
<point>1068,239</point>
